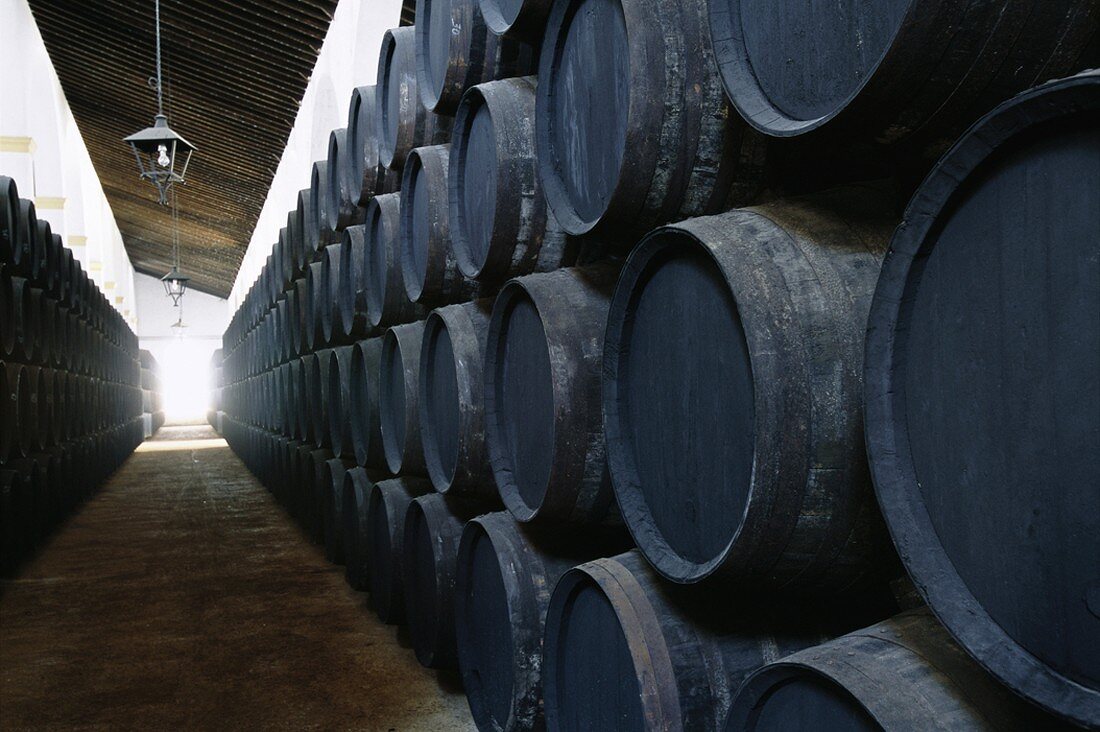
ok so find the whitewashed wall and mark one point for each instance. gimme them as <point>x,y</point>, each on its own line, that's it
<point>42,149</point>
<point>348,58</point>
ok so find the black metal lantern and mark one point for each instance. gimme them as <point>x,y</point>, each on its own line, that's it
<point>175,284</point>
<point>162,155</point>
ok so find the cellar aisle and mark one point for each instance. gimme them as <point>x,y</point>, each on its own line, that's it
<point>182,595</point>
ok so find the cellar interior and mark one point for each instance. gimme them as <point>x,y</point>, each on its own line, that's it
<point>523,365</point>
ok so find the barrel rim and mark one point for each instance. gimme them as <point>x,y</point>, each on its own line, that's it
<point>431,92</point>
<point>634,508</point>
<point>417,519</point>
<point>434,324</point>
<point>745,92</point>
<point>640,626</point>
<point>337,176</point>
<point>415,282</point>
<point>478,529</point>
<point>395,454</point>
<point>473,100</point>
<point>500,459</point>
<point>495,19</point>
<point>557,196</point>
<point>762,683</point>
<point>891,467</point>
<point>387,148</point>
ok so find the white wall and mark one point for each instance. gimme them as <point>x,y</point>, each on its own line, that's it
<point>42,149</point>
<point>348,58</point>
<point>183,354</point>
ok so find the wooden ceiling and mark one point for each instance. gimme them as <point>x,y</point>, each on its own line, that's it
<point>234,75</point>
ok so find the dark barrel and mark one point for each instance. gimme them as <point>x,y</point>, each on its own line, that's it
<point>524,20</point>
<point>456,50</point>
<point>732,393</point>
<point>332,496</point>
<point>501,226</point>
<point>983,393</point>
<point>611,158</point>
<point>327,297</point>
<point>503,579</point>
<point>386,507</point>
<point>624,651</point>
<point>320,216</point>
<point>353,515</point>
<point>307,393</point>
<point>451,399</point>
<point>366,435</point>
<point>544,425</point>
<point>339,402</point>
<point>365,172</point>
<point>309,229</point>
<point>26,237</point>
<point>387,302</point>
<point>428,265</point>
<point>353,295</point>
<point>887,70</point>
<point>902,674</point>
<point>398,396</point>
<point>9,218</point>
<point>404,123</point>
<point>433,528</point>
<point>342,206</point>
<point>320,396</point>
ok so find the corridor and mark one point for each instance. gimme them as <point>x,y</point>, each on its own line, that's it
<point>182,595</point>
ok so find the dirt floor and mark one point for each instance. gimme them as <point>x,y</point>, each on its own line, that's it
<point>182,596</point>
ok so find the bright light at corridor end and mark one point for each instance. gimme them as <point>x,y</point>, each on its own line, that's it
<point>185,378</point>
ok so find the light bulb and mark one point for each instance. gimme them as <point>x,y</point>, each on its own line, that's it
<point>162,159</point>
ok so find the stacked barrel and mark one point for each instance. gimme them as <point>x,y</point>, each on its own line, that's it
<point>152,394</point>
<point>70,381</point>
<point>587,275</point>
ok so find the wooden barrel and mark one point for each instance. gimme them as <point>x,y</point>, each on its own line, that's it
<point>25,240</point>
<point>544,426</point>
<point>332,506</point>
<point>611,159</point>
<point>501,226</point>
<point>353,515</point>
<point>364,169</point>
<point>888,70</point>
<point>983,394</point>
<point>302,334</point>
<point>327,297</point>
<point>309,227</point>
<point>451,399</point>
<point>353,295</point>
<point>320,396</point>
<point>38,254</point>
<point>404,122</point>
<point>315,481</point>
<point>386,507</point>
<point>624,651</point>
<point>433,528</point>
<point>387,302</point>
<point>319,201</point>
<point>732,394</point>
<point>456,50</point>
<point>339,402</point>
<point>24,320</point>
<point>398,397</point>
<point>428,266</point>
<point>902,674</point>
<point>313,336</point>
<point>524,20</point>
<point>504,576</point>
<point>363,420</point>
<point>307,392</point>
<point>342,205</point>
<point>9,218</point>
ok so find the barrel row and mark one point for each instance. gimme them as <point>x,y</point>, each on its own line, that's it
<point>710,392</point>
<point>152,394</point>
<point>70,382</point>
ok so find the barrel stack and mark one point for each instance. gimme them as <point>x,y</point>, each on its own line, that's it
<point>549,357</point>
<point>72,386</point>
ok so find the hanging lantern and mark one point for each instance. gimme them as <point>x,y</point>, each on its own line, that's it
<point>175,284</point>
<point>162,155</point>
